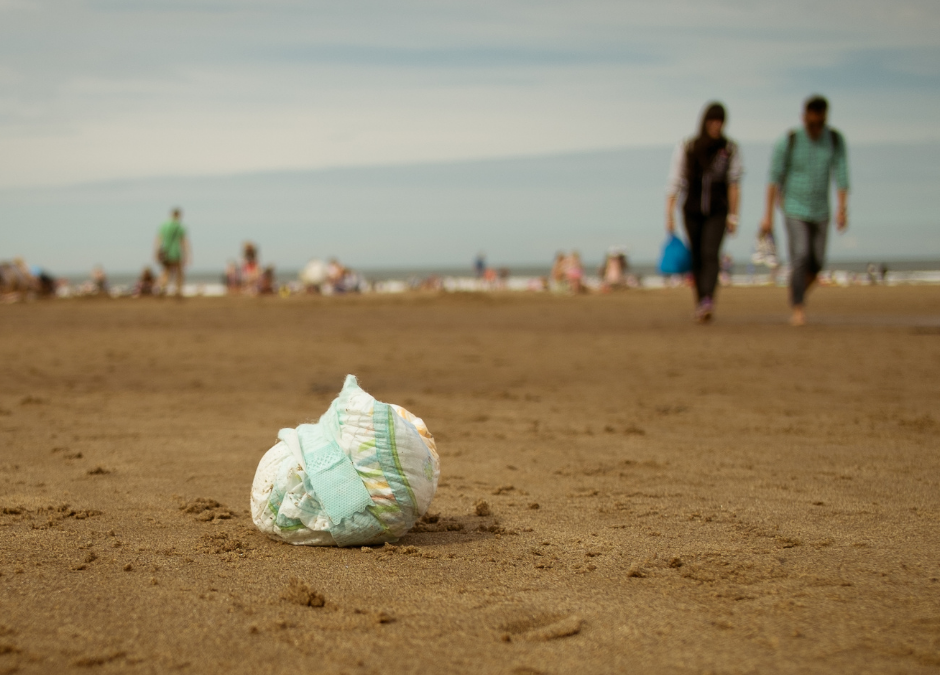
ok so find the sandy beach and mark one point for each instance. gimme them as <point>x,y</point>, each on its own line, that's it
<point>660,497</point>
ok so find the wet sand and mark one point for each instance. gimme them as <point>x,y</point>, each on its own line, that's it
<point>663,497</point>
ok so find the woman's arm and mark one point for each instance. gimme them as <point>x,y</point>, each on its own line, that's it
<point>671,213</point>
<point>676,184</point>
<point>734,197</point>
<point>735,174</point>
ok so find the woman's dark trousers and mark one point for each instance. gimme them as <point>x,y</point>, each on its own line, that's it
<point>705,235</point>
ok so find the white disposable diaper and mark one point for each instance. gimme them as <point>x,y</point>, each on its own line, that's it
<point>363,474</point>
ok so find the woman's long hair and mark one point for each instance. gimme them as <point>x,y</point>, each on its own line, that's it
<point>705,146</point>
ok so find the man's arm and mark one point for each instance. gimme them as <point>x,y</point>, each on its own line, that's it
<point>776,178</point>
<point>842,184</point>
<point>187,256</point>
<point>156,248</point>
<point>767,223</point>
<point>842,215</point>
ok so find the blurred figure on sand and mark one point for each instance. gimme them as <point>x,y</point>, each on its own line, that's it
<point>145,284</point>
<point>557,282</point>
<point>232,278</point>
<point>172,251</point>
<point>574,273</point>
<point>804,164</point>
<point>479,265</point>
<point>266,283</point>
<point>19,281</point>
<point>340,279</point>
<point>99,280</point>
<point>613,272</point>
<point>335,272</point>
<point>251,269</point>
<point>706,173</point>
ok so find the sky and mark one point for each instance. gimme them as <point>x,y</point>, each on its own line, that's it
<point>93,93</point>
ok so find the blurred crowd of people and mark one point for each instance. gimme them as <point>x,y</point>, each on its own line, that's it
<point>330,278</point>
<point>568,276</point>
<point>249,277</point>
<point>19,281</point>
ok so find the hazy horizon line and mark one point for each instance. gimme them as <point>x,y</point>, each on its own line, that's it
<point>414,164</point>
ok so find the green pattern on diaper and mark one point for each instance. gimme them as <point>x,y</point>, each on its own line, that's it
<point>388,460</point>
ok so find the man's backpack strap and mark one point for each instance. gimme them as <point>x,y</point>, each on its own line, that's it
<point>791,140</point>
<point>836,139</point>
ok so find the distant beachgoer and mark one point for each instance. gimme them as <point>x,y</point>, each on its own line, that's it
<point>805,162</point>
<point>341,279</point>
<point>47,284</point>
<point>613,271</point>
<point>479,266</point>
<point>172,251</point>
<point>574,273</point>
<point>352,281</point>
<point>145,284</point>
<point>231,278</point>
<point>266,281</point>
<point>557,281</point>
<point>334,272</point>
<point>19,281</point>
<point>99,280</point>
<point>250,272</point>
<point>490,276</point>
<point>707,170</point>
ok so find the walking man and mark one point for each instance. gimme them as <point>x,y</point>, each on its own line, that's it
<point>172,251</point>
<point>805,161</point>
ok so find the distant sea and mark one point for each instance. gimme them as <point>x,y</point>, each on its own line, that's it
<point>407,273</point>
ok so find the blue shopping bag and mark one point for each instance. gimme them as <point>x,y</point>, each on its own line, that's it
<point>676,257</point>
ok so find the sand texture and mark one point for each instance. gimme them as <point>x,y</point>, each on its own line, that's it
<point>621,490</point>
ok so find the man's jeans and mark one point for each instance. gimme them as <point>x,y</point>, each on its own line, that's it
<point>807,254</point>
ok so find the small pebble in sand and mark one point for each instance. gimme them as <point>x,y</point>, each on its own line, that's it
<point>482,508</point>
<point>128,567</point>
<point>534,506</point>
<point>636,571</point>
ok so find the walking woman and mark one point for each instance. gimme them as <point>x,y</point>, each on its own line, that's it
<point>707,171</point>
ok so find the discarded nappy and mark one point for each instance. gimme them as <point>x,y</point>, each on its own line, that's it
<point>361,475</point>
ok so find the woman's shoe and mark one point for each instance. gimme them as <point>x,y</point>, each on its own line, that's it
<point>703,312</point>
